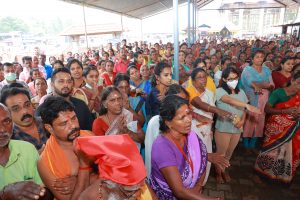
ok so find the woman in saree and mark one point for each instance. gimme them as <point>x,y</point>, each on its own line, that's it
<point>279,156</point>
<point>109,75</point>
<point>160,81</point>
<point>256,82</point>
<point>91,89</point>
<point>122,83</point>
<point>142,89</point>
<point>282,76</point>
<point>179,160</point>
<point>203,103</point>
<point>114,119</point>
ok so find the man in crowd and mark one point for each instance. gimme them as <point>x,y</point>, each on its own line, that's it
<point>27,66</point>
<point>48,68</point>
<point>26,127</point>
<point>64,171</point>
<point>122,63</point>
<point>19,176</point>
<point>10,76</point>
<point>62,85</point>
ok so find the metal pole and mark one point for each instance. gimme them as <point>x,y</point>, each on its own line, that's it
<point>193,15</point>
<point>85,32</point>
<point>176,38</point>
<point>141,29</point>
<point>194,35</point>
<point>189,23</point>
<point>195,21</point>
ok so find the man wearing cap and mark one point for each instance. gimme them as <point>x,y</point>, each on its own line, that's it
<point>121,168</point>
<point>65,172</point>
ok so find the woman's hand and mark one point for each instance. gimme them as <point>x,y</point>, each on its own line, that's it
<point>253,109</point>
<point>123,125</point>
<point>294,111</point>
<point>224,114</point>
<point>219,160</point>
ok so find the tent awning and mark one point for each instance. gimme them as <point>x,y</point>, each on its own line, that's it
<point>95,29</point>
<point>133,8</point>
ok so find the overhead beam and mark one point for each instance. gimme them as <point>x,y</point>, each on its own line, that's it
<point>238,8</point>
<point>280,3</point>
<point>101,8</point>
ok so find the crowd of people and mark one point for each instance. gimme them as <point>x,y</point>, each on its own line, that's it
<point>112,123</point>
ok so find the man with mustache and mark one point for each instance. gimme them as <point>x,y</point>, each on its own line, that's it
<point>65,171</point>
<point>26,127</point>
<point>18,171</point>
<point>62,85</point>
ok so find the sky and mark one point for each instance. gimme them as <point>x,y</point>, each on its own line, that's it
<point>49,9</point>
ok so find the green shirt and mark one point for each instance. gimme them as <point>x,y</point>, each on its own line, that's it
<point>22,164</point>
<point>278,96</point>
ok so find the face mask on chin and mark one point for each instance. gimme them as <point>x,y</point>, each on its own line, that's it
<point>10,76</point>
<point>232,84</point>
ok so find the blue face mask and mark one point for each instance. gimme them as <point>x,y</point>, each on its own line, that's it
<point>10,76</point>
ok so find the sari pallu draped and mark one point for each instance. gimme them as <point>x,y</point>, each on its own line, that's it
<point>279,156</point>
<point>198,154</point>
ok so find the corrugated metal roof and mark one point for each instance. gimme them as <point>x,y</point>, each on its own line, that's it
<point>145,8</point>
<point>133,8</point>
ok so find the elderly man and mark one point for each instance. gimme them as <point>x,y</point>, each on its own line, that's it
<point>121,168</point>
<point>25,126</point>
<point>18,159</point>
<point>64,171</point>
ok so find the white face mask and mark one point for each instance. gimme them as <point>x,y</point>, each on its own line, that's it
<point>232,84</point>
<point>10,76</point>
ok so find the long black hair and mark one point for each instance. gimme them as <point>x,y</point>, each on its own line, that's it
<point>168,109</point>
<point>225,73</point>
<point>176,89</point>
<point>157,70</point>
<point>284,60</point>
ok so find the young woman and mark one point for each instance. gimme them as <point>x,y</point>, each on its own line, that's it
<point>203,102</point>
<point>76,69</point>
<point>256,82</point>
<point>109,75</point>
<point>91,89</point>
<point>279,156</point>
<point>34,74</point>
<point>283,75</point>
<point>179,160</point>
<point>40,86</point>
<point>160,82</point>
<point>228,132</point>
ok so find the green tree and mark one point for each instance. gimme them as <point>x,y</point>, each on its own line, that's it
<point>8,24</point>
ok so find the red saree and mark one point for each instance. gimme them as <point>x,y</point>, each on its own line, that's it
<point>279,156</point>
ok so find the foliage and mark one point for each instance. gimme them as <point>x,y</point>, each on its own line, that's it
<point>8,24</point>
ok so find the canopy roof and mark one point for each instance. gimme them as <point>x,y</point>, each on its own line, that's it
<point>145,8</point>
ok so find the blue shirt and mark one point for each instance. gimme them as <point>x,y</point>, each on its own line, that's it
<point>48,70</point>
<point>38,143</point>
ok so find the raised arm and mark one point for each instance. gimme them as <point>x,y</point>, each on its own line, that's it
<point>198,103</point>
